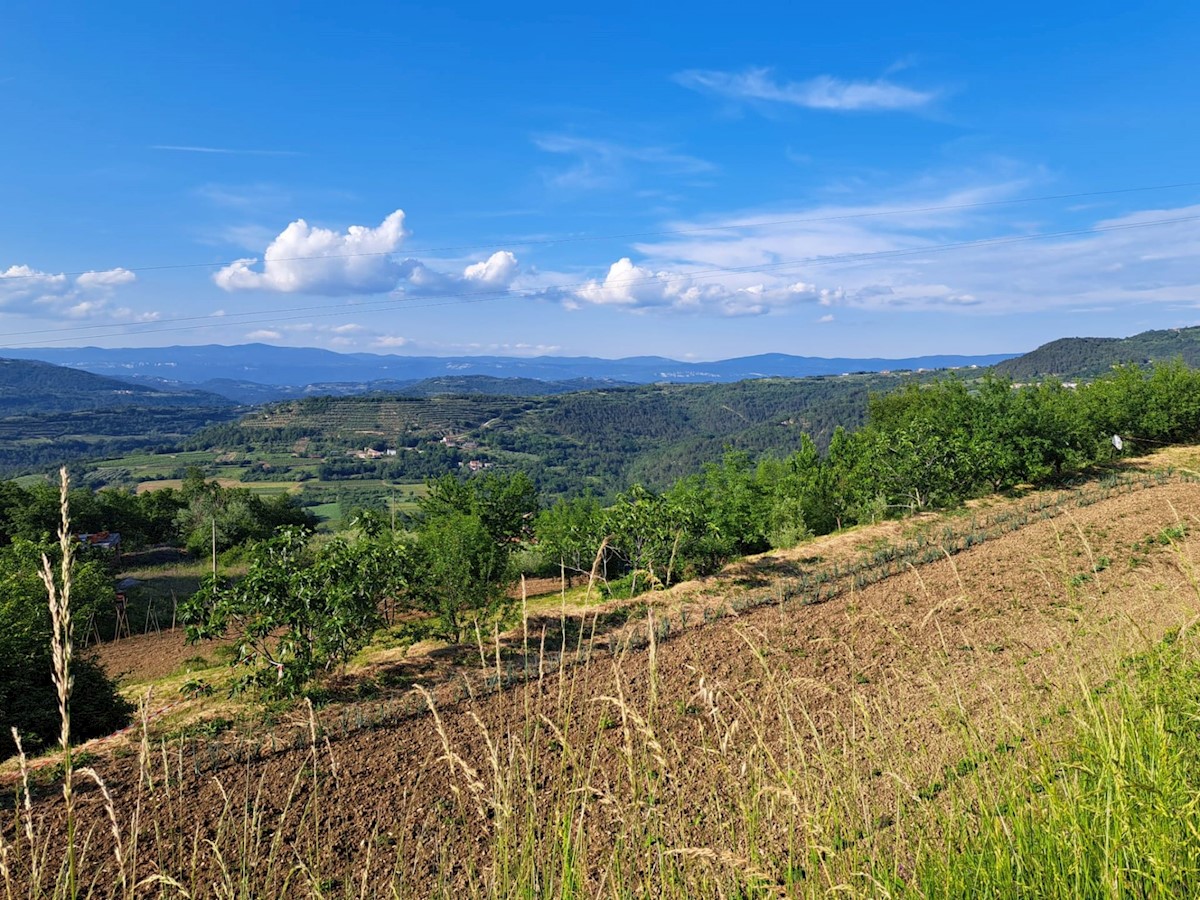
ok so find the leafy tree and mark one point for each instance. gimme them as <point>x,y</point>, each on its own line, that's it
<point>646,530</point>
<point>571,532</point>
<point>28,700</point>
<point>236,514</point>
<point>300,607</point>
<point>462,573</point>
<point>506,504</point>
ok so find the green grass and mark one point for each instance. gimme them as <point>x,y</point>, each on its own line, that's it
<point>1113,813</point>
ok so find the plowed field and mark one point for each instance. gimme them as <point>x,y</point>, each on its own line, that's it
<point>746,748</point>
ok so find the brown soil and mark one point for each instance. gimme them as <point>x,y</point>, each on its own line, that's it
<point>145,657</point>
<point>887,679</point>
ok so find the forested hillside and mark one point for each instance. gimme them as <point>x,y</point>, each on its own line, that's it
<point>27,386</point>
<point>1088,357</point>
<point>598,440</point>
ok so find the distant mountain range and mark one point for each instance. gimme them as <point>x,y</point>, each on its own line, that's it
<point>256,373</point>
<point>216,375</point>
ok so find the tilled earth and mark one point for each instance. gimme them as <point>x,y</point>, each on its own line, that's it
<point>855,706</point>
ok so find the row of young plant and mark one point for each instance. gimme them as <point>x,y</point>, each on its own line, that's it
<point>923,446</point>
<point>557,643</point>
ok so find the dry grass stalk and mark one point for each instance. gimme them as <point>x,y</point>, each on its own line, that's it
<point>59,595</point>
<point>110,811</point>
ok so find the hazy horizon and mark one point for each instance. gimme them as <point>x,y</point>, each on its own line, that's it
<point>620,181</point>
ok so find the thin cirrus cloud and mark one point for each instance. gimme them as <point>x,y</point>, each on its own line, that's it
<point>602,164</point>
<point>868,258</point>
<point>822,92</point>
<point>223,151</point>
<point>304,259</point>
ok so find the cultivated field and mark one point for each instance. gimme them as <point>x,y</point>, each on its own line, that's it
<point>824,719</point>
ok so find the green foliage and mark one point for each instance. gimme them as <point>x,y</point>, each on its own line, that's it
<point>570,532</point>
<point>1093,357</point>
<point>236,514</point>
<point>462,572</point>
<point>465,539</point>
<point>300,607</point>
<point>28,700</point>
<point>1116,815</point>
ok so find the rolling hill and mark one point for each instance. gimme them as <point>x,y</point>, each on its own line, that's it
<point>1087,357</point>
<point>301,368</point>
<point>32,387</point>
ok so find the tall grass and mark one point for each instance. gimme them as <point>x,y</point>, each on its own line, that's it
<point>656,782</point>
<point>1115,812</point>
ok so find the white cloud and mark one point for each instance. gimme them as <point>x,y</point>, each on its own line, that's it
<point>348,328</point>
<point>111,278</point>
<point>636,288</point>
<point>304,259</point>
<point>263,334</point>
<point>498,270</point>
<point>496,273</point>
<point>950,251</point>
<point>826,319</point>
<point>821,92</point>
<point>391,340</point>
<point>224,151</point>
<point>28,291</point>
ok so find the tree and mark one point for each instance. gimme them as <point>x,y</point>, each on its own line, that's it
<point>27,693</point>
<point>463,572</point>
<point>571,532</point>
<point>300,608</point>
<point>506,504</point>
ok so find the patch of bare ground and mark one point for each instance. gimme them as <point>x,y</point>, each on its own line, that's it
<point>760,747</point>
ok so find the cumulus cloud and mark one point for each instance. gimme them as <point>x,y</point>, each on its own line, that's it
<point>309,260</point>
<point>264,334</point>
<point>109,279</point>
<point>497,272</point>
<point>27,290</point>
<point>637,288</point>
<point>821,92</point>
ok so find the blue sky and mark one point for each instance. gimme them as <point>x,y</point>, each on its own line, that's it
<point>522,179</point>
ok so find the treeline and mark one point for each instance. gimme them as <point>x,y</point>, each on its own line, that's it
<point>924,446</point>
<point>185,517</point>
<point>36,442</point>
<point>599,440</point>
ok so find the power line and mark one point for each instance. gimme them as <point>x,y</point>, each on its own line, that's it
<point>212,321</point>
<point>542,242</point>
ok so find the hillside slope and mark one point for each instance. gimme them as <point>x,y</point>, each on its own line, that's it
<point>601,440</point>
<point>773,729</point>
<point>1088,357</point>
<point>28,386</point>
